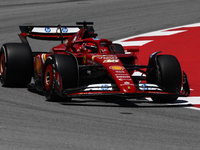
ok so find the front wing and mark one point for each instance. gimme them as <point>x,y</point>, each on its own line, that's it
<point>108,90</point>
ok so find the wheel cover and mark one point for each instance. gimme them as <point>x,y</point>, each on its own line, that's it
<point>48,78</point>
<point>2,65</point>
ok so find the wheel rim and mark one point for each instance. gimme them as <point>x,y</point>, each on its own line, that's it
<point>48,77</point>
<point>2,61</point>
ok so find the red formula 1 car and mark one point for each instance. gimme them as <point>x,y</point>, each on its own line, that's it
<point>86,66</point>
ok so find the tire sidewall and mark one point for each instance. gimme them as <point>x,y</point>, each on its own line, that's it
<point>3,52</point>
<point>50,94</point>
<point>65,67</point>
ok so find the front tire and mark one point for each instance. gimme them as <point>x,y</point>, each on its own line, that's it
<point>66,67</point>
<point>169,76</point>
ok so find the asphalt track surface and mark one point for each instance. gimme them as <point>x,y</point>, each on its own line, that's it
<point>29,122</point>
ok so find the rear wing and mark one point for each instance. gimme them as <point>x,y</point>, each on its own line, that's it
<point>49,32</point>
<point>55,32</point>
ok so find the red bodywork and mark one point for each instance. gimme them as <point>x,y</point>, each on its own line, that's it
<point>79,44</point>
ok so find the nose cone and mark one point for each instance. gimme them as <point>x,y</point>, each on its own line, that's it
<point>121,77</point>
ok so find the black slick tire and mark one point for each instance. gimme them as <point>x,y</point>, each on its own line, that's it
<point>169,76</point>
<point>118,49</point>
<point>66,67</point>
<point>16,63</point>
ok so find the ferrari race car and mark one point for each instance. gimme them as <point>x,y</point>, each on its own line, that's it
<point>86,66</point>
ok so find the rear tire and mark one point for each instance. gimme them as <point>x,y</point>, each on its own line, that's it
<point>66,67</point>
<point>16,63</point>
<point>118,49</point>
<point>169,76</point>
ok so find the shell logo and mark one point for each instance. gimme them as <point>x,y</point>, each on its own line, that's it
<point>117,67</point>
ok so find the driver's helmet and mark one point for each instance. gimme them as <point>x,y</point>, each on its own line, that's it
<point>89,48</point>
